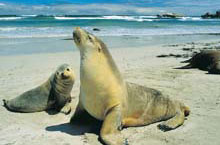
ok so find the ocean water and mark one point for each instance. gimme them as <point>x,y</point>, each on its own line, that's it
<point>26,26</point>
<point>28,34</point>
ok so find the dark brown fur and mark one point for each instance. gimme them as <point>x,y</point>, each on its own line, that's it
<point>207,60</point>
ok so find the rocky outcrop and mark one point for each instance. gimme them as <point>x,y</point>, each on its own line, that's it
<point>169,15</point>
<point>211,16</point>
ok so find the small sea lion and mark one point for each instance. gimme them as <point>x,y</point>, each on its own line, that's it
<point>105,95</point>
<point>53,94</point>
<point>207,60</point>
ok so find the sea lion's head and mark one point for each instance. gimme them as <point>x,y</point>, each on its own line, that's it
<point>86,41</point>
<point>215,68</point>
<point>65,72</point>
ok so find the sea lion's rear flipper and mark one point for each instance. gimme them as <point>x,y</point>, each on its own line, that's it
<point>7,105</point>
<point>173,123</point>
<point>4,103</point>
<point>188,66</point>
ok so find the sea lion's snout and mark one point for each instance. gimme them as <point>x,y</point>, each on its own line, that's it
<point>80,36</point>
<point>64,76</point>
<point>65,72</point>
<point>76,37</point>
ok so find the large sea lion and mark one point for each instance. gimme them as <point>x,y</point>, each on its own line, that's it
<point>53,94</point>
<point>208,60</point>
<point>105,95</point>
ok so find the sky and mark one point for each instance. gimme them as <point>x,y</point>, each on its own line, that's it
<point>107,7</point>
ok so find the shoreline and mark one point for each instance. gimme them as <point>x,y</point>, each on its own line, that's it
<point>21,46</point>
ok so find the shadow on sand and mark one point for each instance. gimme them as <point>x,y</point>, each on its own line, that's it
<point>76,128</point>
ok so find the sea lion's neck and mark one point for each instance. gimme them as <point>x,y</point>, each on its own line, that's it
<point>85,55</point>
<point>94,63</point>
<point>62,87</point>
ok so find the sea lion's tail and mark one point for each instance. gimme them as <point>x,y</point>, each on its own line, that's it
<point>188,66</point>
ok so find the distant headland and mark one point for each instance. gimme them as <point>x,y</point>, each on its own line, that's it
<point>211,16</point>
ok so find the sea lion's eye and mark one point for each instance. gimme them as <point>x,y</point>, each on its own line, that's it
<point>68,69</point>
<point>58,73</point>
<point>90,38</point>
<point>99,49</point>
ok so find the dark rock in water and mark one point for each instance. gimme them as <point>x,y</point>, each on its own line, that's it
<point>8,16</point>
<point>174,45</point>
<point>68,39</point>
<point>163,55</point>
<point>169,15</point>
<point>174,55</point>
<point>217,47</point>
<point>211,16</point>
<point>96,29</point>
<point>188,49</point>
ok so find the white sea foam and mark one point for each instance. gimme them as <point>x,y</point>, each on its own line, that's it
<point>150,17</point>
<point>129,18</point>
<point>28,15</point>
<point>9,18</point>
<point>77,18</point>
<point>196,19</point>
<point>65,18</point>
<point>30,32</point>
<point>126,18</point>
<point>119,17</point>
<point>190,19</point>
<point>8,29</point>
<point>98,18</point>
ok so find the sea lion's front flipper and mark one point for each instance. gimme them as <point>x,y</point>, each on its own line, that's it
<point>110,133</point>
<point>66,109</point>
<point>188,66</point>
<point>174,122</point>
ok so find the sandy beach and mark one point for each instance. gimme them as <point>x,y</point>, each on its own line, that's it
<point>138,64</point>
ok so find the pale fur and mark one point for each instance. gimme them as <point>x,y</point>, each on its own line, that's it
<point>106,96</point>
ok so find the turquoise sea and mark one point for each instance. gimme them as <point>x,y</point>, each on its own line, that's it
<point>14,26</point>
<point>24,34</point>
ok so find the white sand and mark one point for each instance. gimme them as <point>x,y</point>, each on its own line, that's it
<point>195,88</point>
